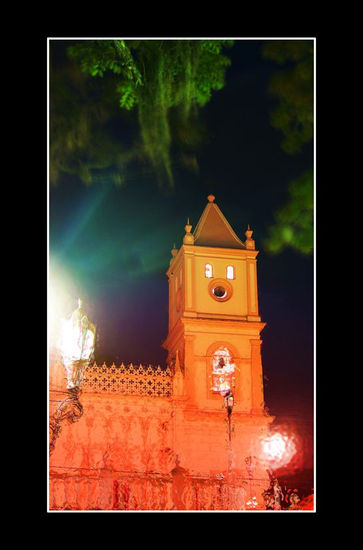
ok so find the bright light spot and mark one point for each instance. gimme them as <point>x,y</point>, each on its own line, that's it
<point>230,272</point>
<point>278,449</point>
<point>61,300</point>
<point>252,503</point>
<point>275,446</point>
<point>208,271</point>
<point>75,344</point>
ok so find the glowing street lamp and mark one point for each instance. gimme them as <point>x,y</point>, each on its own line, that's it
<point>76,345</point>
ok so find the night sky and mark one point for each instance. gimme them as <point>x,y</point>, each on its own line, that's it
<point>114,242</point>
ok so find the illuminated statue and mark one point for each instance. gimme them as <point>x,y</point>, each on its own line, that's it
<point>222,371</point>
<point>76,344</point>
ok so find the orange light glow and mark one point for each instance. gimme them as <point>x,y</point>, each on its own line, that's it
<point>164,438</point>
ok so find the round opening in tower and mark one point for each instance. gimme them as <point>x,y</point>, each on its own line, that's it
<point>219,292</point>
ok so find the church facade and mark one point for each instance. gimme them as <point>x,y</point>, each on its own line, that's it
<point>189,436</point>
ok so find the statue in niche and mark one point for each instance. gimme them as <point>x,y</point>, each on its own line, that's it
<point>222,371</point>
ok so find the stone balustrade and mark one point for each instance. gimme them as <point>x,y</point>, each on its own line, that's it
<point>128,380</point>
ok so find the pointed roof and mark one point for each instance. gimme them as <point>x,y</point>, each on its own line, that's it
<point>214,230</point>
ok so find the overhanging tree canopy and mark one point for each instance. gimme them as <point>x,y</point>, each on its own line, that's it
<point>164,81</point>
<point>294,116</point>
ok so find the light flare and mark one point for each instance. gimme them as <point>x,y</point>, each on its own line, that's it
<point>60,300</point>
<point>278,449</point>
<point>77,340</point>
<point>75,344</point>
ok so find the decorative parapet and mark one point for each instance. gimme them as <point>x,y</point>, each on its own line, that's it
<point>128,380</point>
<point>113,490</point>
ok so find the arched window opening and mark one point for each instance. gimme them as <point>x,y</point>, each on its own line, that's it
<point>208,271</point>
<point>230,272</point>
<point>222,371</point>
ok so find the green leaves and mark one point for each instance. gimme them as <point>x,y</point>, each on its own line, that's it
<point>294,221</point>
<point>294,116</point>
<point>129,96</point>
<point>293,88</point>
<point>98,56</point>
<point>160,78</point>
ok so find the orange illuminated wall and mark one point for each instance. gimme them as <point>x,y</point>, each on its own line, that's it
<point>160,440</point>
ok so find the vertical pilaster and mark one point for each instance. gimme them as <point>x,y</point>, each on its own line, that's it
<point>257,402</point>
<point>190,375</point>
<point>252,295</point>
<point>171,302</point>
<point>178,379</point>
<point>188,282</point>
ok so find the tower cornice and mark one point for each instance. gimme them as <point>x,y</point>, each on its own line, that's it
<point>199,250</point>
<point>223,324</point>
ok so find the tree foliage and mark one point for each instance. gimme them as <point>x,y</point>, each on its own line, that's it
<point>164,82</point>
<point>80,110</point>
<point>293,87</point>
<point>294,221</point>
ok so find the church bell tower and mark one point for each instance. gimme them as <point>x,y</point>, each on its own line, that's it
<point>214,341</point>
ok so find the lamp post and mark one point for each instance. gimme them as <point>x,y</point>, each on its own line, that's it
<point>76,346</point>
<point>228,403</point>
<point>250,469</point>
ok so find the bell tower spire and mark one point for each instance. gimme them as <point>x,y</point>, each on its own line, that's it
<point>214,321</point>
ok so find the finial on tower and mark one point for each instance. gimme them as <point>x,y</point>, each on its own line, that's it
<point>188,237</point>
<point>174,252</point>
<point>249,243</point>
<point>211,198</point>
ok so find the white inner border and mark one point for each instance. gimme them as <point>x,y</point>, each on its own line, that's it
<point>250,38</point>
